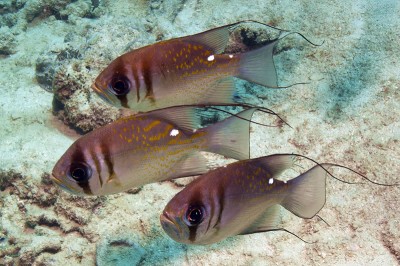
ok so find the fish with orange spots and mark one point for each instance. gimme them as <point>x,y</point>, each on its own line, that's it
<point>184,71</point>
<point>244,198</point>
<point>149,147</point>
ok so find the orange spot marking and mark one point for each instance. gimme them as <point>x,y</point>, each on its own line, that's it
<point>151,125</point>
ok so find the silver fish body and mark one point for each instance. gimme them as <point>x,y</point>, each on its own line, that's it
<point>242,198</point>
<point>183,71</point>
<point>146,148</point>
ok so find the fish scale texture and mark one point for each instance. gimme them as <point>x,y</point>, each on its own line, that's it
<point>347,113</point>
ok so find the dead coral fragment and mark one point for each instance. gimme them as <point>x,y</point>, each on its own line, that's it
<point>16,184</point>
<point>43,244</point>
<point>78,209</point>
<point>74,103</point>
<point>8,178</point>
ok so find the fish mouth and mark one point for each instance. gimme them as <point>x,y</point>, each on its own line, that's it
<point>61,184</point>
<point>102,95</point>
<point>166,218</point>
<point>169,223</point>
<point>55,179</point>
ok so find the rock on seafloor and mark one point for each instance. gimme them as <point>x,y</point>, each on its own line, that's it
<point>347,113</point>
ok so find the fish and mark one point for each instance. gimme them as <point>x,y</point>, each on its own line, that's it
<point>184,71</point>
<point>149,147</point>
<point>245,197</point>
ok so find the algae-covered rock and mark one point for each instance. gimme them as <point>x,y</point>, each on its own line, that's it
<point>23,12</point>
<point>77,9</point>
<point>68,72</point>
<point>7,41</point>
<point>61,9</point>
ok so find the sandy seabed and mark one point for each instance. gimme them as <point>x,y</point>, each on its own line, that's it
<point>348,113</point>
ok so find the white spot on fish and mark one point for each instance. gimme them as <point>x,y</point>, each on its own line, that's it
<point>231,56</point>
<point>194,130</point>
<point>271,181</point>
<point>210,58</point>
<point>284,181</point>
<point>174,132</point>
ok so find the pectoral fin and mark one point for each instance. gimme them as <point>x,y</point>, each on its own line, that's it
<point>194,164</point>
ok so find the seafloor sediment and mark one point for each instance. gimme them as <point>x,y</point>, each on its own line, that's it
<point>347,113</point>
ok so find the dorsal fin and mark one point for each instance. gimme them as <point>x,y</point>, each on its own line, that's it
<point>215,39</point>
<point>184,117</point>
<point>276,164</point>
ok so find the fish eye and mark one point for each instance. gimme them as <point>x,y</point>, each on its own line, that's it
<point>120,85</point>
<point>80,172</point>
<point>194,215</point>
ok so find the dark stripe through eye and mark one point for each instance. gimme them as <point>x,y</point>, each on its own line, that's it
<point>194,216</point>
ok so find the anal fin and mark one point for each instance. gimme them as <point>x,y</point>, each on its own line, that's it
<point>221,91</point>
<point>268,221</point>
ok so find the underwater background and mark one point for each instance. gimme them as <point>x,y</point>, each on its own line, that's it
<point>347,113</point>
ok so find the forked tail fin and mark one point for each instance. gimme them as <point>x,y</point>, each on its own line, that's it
<point>258,66</point>
<point>307,193</point>
<point>230,137</point>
